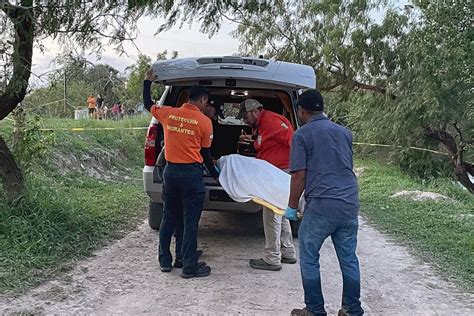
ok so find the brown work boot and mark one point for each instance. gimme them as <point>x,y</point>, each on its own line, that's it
<point>301,312</point>
<point>342,312</point>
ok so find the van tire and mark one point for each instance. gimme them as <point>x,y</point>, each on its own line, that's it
<point>295,225</point>
<point>155,215</point>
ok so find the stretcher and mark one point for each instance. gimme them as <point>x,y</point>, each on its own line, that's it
<point>272,207</point>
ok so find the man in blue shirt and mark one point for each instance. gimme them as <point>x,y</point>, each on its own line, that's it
<point>321,166</point>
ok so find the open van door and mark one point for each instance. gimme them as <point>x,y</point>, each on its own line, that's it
<point>225,71</point>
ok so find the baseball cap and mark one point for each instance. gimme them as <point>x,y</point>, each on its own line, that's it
<point>311,100</point>
<point>247,106</point>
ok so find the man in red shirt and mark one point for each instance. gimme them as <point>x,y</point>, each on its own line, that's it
<point>271,138</point>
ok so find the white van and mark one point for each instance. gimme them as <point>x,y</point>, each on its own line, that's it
<point>230,80</point>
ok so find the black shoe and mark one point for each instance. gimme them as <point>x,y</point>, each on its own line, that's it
<point>262,265</point>
<point>301,312</point>
<point>288,260</point>
<point>202,271</point>
<point>178,263</point>
<point>166,269</point>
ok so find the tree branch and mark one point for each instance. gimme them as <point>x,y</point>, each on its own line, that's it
<point>330,87</point>
<point>443,137</point>
<point>369,87</point>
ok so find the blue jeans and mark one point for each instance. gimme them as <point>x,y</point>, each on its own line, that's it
<point>183,199</point>
<point>314,230</point>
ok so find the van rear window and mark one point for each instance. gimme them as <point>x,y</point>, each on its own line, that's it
<point>230,111</point>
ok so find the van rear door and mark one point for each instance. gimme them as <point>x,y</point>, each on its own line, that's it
<point>228,69</point>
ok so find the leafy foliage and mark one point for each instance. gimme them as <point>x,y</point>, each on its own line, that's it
<point>135,74</point>
<point>83,78</point>
<point>65,214</point>
<point>403,80</point>
<point>31,145</point>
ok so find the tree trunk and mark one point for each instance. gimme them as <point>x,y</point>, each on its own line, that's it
<point>22,18</point>
<point>462,169</point>
<point>10,173</point>
<point>23,24</point>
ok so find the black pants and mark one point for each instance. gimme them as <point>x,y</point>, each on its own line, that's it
<point>183,197</point>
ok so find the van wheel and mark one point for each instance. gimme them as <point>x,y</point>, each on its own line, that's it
<point>155,215</point>
<point>295,225</point>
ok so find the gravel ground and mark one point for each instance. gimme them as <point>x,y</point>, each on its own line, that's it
<point>124,278</point>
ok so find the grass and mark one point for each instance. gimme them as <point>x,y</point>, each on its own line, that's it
<point>64,217</point>
<point>440,232</point>
<point>66,214</point>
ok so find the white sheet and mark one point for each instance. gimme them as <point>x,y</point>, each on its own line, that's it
<point>245,177</point>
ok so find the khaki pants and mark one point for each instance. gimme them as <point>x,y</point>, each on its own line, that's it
<point>278,238</point>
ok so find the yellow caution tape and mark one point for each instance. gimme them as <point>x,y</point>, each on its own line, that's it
<point>82,129</point>
<point>398,146</point>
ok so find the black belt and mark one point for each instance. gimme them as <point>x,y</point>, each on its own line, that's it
<point>184,164</point>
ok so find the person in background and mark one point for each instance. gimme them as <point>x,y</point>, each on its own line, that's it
<point>123,110</point>
<point>91,105</point>
<point>115,111</point>
<point>105,110</point>
<point>321,166</point>
<point>271,139</point>
<point>100,101</point>
<point>188,138</point>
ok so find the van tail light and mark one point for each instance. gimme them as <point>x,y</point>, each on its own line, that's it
<point>150,145</point>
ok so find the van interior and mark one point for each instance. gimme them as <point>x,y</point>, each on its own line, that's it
<point>228,130</point>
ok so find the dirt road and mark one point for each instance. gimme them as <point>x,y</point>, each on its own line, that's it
<point>124,279</point>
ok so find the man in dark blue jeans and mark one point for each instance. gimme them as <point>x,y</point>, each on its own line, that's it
<point>321,166</point>
<point>188,137</point>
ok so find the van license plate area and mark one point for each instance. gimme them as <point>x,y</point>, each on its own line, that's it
<point>219,196</point>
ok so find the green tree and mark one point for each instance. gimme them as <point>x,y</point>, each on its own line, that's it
<point>80,77</point>
<point>25,23</point>
<point>132,94</point>
<point>435,85</point>
<point>406,79</point>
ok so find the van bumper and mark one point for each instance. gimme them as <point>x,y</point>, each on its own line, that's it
<point>216,198</point>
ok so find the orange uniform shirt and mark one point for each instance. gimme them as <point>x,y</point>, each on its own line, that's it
<point>91,101</point>
<point>186,130</point>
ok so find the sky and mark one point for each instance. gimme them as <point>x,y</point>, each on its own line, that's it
<point>188,41</point>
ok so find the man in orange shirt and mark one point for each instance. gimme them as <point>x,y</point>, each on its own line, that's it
<point>188,137</point>
<point>271,139</point>
<point>91,102</point>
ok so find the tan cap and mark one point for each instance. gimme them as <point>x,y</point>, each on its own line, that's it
<point>247,106</point>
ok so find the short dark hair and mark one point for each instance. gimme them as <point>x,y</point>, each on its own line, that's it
<point>196,92</point>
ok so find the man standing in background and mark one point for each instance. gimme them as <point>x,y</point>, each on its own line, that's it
<point>91,105</point>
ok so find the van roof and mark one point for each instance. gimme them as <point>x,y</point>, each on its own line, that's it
<point>234,67</point>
